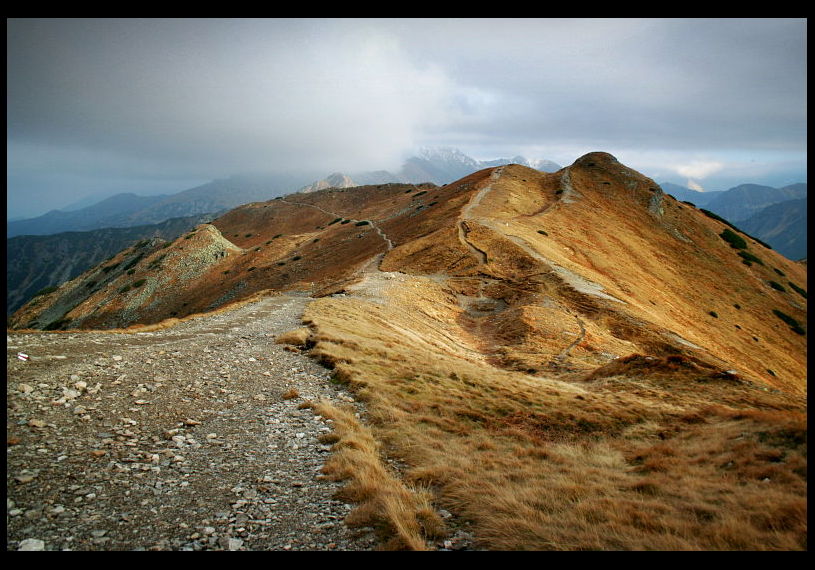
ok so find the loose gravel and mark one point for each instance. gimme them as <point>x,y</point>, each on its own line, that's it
<point>189,438</point>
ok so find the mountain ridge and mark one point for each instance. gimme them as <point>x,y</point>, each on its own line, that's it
<point>783,225</point>
<point>555,361</point>
<point>298,241</point>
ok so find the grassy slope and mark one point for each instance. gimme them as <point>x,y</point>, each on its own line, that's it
<point>666,451</point>
<point>656,455</point>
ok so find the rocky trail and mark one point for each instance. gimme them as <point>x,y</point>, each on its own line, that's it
<point>187,438</point>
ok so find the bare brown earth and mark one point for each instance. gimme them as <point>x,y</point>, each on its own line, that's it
<point>564,361</point>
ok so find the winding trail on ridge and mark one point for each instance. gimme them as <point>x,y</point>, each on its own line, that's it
<point>373,224</point>
<point>369,273</point>
<point>464,229</point>
<point>577,282</point>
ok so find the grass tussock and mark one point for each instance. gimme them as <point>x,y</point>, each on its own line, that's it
<point>403,514</point>
<point>290,394</point>
<point>297,337</point>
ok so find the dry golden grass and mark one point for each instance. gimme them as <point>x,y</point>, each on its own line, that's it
<point>290,394</point>
<point>402,513</point>
<point>297,337</point>
<point>660,454</point>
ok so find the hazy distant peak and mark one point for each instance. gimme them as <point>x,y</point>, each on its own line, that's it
<point>333,180</point>
<point>537,163</point>
<point>544,165</point>
<point>446,154</point>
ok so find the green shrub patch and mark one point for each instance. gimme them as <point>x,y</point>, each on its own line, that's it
<point>797,289</point>
<point>734,239</point>
<point>794,325</point>
<point>748,258</point>
<point>46,290</point>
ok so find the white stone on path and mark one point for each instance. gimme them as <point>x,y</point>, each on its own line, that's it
<point>32,544</point>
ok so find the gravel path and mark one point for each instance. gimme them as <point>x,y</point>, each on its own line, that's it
<point>180,439</point>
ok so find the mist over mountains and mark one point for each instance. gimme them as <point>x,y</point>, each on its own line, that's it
<point>440,166</point>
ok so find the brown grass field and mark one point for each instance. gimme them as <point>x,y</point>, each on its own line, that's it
<point>661,454</point>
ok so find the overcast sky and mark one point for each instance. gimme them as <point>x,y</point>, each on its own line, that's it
<point>158,106</point>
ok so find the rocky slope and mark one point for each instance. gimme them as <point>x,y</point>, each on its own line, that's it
<point>36,262</point>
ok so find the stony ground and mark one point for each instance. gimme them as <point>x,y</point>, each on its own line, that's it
<point>190,438</point>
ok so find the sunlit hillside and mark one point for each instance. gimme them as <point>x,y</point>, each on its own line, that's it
<point>566,361</point>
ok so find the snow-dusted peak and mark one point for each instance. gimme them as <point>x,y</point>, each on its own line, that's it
<point>447,155</point>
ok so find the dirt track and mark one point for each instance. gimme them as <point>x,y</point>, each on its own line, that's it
<point>179,439</point>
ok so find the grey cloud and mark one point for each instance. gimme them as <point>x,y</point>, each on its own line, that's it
<point>182,99</point>
<point>244,94</point>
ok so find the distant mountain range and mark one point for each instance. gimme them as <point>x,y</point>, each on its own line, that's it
<point>127,210</point>
<point>439,166</point>
<point>777,216</point>
<point>783,226</point>
<point>445,165</point>
<point>57,246</point>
